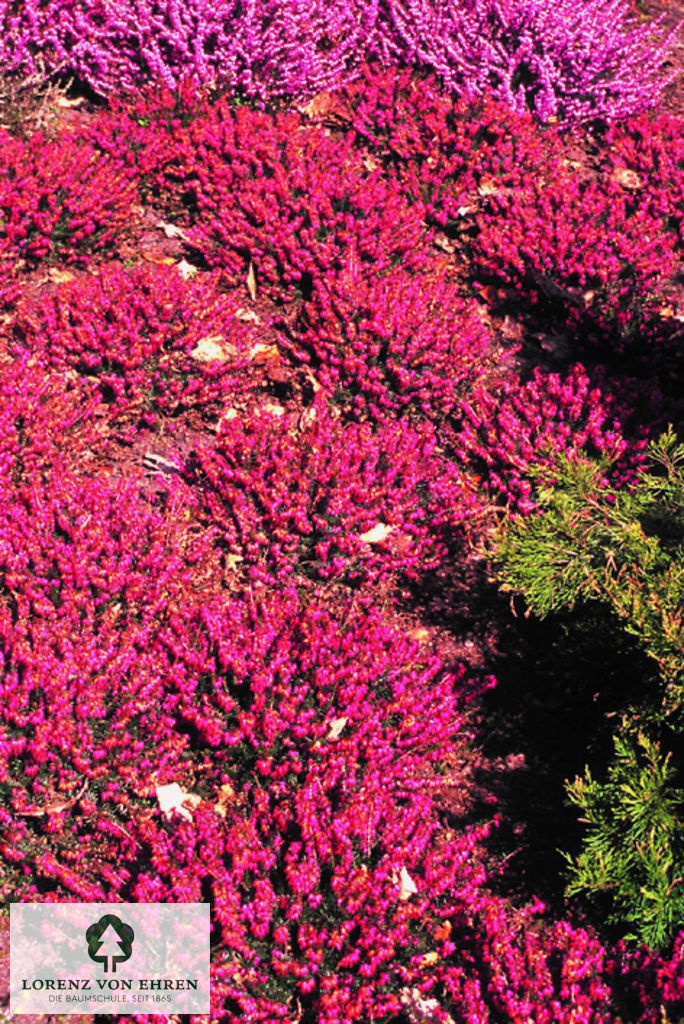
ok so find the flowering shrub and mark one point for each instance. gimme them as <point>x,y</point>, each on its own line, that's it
<point>384,344</point>
<point>317,835</point>
<point>592,245</point>
<point>229,627</point>
<point>509,430</point>
<point>330,500</point>
<point>328,862</point>
<point>89,573</point>
<point>44,416</point>
<point>144,130</point>
<point>645,155</point>
<point>558,58</point>
<point>293,200</point>
<point>155,344</point>
<point>257,49</point>
<point>447,153</point>
<point>520,967</point>
<point>60,198</point>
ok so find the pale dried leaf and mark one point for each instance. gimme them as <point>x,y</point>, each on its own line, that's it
<point>627,178</point>
<point>407,887</point>
<point>336,727</point>
<point>261,353</point>
<point>211,350</point>
<point>172,231</point>
<point>247,316</point>
<point>60,276</point>
<point>251,281</point>
<point>186,270</point>
<point>488,187</point>
<point>378,534</point>
<point>172,798</point>
<point>225,798</point>
<point>65,102</point>
<point>274,409</point>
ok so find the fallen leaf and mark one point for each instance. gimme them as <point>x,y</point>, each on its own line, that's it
<point>370,163</point>
<point>211,350</point>
<point>65,103</point>
<point>488,187</point>
<point>251,281</point>
<point>225,798</point>
<point>172,231</point>
<point>307,418</point>
<point>324,105</point>
<point>172,798</point>
<point>60,276</point>
<point>186,270</point>
<point>378,534</point>
<point>407,885</point>
<point>261,354</point>
<point>627,178</point>
<point>165,261</point>
<point>273,409</point>
<point>336,727</point>
<point>247,316</point>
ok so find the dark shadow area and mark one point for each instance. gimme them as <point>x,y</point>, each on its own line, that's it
<point>562,686</point>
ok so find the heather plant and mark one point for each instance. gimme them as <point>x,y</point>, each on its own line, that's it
<point>154,343</point>
<point>562,60</point>
<point>596,247</point>
<point>144,130</point>
<point>383,344</point>
<point>512,964</point>
<point>291,201</point>
<point>329,500</point>
<point>60,199</point>
<point>255,49</point>
<point>447,153</point>
<point>326,862</point>
<point>45,418</point>
<point>90,572</point>
<point>645,154</point>
<point>504,432</point>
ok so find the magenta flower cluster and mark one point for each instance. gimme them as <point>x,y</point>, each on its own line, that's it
<point>149,340</point>
<point>516,425</point>
<point>222,483</point>
<point>556,57</point>
<point>328,500</point>
<point>60,199</point>
<point>560,59</point>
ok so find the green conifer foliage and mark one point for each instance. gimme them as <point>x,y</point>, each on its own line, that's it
<point>624,548</point>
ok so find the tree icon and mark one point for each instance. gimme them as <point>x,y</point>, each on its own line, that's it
<point>110,942</point>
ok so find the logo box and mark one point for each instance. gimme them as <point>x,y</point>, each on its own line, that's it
<point>112,958</point>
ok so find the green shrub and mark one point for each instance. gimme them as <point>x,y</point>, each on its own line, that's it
<point>633,851</point>
<point>624,548</point>
<point>621,547</point>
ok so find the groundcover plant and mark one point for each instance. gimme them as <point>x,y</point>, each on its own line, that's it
<point>335,344</point>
